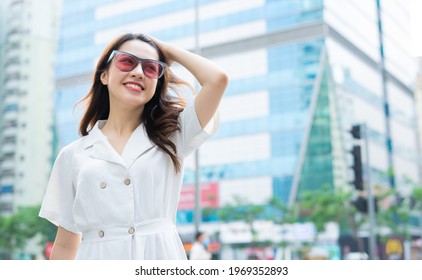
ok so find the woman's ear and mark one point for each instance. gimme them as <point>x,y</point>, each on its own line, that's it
<point>103,78</point>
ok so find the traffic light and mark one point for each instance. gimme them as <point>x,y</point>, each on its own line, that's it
<point>357,167</point>
<point>361,204</point>
<point>356,131</point>
<point>357,158</point>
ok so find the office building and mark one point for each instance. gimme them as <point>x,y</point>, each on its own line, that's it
<point>301,74</point>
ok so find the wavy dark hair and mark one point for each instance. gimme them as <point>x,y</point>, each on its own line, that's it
<point>160,115</point>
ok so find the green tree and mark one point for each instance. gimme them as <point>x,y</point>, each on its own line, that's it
<point>6,245</point>
<point>16,230</point>
<point>417,198</point>
<point>282,214</point>
<point>243,210</point>
<point>416,203</point>
<point>397,215</point>
<point>332,205</point>
<point>326,205</point>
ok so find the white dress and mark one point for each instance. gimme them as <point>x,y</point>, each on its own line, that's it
<point>123,205</point>
<point>198,252</point>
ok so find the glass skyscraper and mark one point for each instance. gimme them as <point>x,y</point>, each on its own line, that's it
<point>302,72</point>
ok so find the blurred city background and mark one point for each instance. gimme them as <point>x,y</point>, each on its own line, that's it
<point>318,155</point>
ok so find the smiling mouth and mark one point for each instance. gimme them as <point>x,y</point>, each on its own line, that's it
<point>134,86</point>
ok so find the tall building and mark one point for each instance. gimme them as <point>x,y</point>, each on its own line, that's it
<point>26,100</point>
<point>301,74</point>
<point>418,98</point>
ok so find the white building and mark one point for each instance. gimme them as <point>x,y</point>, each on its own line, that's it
<point>26,104</point>
<point>418,97</point>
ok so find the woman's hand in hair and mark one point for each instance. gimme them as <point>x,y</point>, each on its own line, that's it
<point>164,48</point>
<point>211,77</point>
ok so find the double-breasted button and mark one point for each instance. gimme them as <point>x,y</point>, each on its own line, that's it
<point>101,233</point>
<point>131,230</point>
<point>103,185</point>
<point>127,181</point>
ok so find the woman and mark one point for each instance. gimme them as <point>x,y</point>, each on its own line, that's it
<point>199,250</point>
<point>114,192</point>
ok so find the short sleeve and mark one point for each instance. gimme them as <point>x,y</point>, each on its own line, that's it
<point>58,200</point>
<point>192,134</point>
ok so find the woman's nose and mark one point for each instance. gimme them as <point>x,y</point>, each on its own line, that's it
<point>138,71</point>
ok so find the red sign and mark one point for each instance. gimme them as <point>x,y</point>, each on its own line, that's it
<point>209,196</point>
<point>48,248</point>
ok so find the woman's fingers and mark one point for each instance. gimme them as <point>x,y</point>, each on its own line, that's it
<point>164,48</point>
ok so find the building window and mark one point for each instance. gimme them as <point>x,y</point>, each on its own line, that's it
<point>14,60</point>
<point>12,76</point>
<point>10,123</point>
<point>7,172</point>
<point>6,207</point>
<point>10,92</point>
<point>10,108</point>
<point>8,156</point>
<point>9,140</point>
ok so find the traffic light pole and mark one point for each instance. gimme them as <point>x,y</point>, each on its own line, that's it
<point>370,200</point>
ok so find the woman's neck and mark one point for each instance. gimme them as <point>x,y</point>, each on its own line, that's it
<point>123,122</point>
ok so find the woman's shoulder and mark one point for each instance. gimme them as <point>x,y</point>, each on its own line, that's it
<point>72,147</point>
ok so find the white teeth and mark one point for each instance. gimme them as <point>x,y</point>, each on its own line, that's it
<point>134,86</point>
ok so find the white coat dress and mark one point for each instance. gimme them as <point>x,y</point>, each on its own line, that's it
<point>123,205</point>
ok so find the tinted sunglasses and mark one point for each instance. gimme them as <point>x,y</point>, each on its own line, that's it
<point>126,62</point>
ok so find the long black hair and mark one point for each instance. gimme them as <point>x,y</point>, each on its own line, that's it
<point>160,114</point>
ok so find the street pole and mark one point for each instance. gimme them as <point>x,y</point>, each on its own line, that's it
<point>198,214</point>
<point>420,224</point>
<point>370,200</point>
<point>385,98</point>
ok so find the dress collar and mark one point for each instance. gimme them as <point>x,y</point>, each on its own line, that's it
<point>99,146</point>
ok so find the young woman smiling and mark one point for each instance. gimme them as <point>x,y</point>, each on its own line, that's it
<point>113,193</point>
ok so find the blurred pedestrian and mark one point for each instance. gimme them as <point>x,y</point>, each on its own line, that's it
<point>200,248</point>
<point>113,193</point>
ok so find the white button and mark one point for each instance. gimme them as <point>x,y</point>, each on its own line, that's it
<point>131,230</point>
<point>101,233</point>
<point>127,181</point>
<point>103,185</point>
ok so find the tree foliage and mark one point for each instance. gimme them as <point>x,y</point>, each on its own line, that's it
<point>326,205</point>
<point>417,198</point>
<point>242,210</point>
<point>16,230</point>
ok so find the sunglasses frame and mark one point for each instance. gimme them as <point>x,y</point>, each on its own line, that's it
<point>114,53</point>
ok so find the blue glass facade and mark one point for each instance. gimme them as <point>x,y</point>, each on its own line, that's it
<point>289,80</point>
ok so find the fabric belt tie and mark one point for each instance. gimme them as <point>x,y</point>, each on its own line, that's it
<point>120,232</point>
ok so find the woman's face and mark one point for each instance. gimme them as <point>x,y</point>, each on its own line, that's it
<point>131,89</point>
